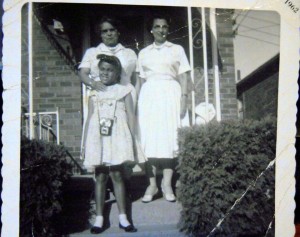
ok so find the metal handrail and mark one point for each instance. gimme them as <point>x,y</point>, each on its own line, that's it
<point>69,60</point>
<point>48,127</point>
<point>77,169</point>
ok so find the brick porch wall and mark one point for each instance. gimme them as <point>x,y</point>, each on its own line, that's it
<point>228,93</point>
<point>55,85</point>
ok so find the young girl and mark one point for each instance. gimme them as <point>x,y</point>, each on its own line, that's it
<point>109,138</point>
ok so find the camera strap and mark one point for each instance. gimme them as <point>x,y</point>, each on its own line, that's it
<point>111,111</point>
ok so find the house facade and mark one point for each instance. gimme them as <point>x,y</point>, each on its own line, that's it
<point>62,33</point>
<point>256,53</point>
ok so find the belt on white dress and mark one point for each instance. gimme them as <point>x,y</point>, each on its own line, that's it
<point>160,77</point>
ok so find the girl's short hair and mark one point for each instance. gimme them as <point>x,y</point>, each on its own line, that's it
<point>112,60</point>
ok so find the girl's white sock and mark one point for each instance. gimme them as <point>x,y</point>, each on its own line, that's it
<point>123,220</point>
<point>98,221</point>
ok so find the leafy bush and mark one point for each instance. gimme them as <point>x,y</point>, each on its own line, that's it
<point>44,169</point>
<point>218,163</point>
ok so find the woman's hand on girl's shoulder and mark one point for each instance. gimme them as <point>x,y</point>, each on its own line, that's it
<point>98,86</point>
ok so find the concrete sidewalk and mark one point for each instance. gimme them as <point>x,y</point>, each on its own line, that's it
<point>143,231</point>
<point>157,218</point>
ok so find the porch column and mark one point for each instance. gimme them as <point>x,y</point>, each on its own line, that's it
<point>191,60</point>
<point>204,58</point>
<point>213,28</point>
<point>30,71</point>
<point>86,43</point>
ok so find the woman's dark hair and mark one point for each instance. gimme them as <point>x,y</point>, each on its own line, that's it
<point>111,20</point>
<point>158,15</point>
<point>112,60</point>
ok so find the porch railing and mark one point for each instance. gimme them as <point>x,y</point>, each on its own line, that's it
<point>46,128</point>
<point>43,126</point>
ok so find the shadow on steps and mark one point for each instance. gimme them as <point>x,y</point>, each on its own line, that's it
<point>79,204</point>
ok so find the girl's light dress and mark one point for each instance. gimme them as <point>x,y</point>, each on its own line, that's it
<point>119,146</point>
<point>128,60</point>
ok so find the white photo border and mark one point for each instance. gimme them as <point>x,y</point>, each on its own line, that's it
<point>287,97</point>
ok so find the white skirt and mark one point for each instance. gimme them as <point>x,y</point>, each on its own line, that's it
<point>159,117</point>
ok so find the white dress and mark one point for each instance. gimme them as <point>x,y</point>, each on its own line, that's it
<point>159,99</point>
<point>118,147</point>
<point>128,61</point>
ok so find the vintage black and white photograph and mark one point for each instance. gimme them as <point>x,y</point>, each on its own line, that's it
<point>149,120</point>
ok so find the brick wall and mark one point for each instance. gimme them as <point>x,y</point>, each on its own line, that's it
<point>261,99</point>
<point>55,85</point>
<point>229,109</point>
<point>258,91</point>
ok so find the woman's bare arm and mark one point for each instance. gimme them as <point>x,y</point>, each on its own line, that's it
<point>138,85</point>
<point>183,80</point>
<point>130,114</point>
<point>133,78</point>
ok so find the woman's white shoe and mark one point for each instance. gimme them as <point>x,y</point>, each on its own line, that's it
<point>149,197</point>
<point>170,197</point>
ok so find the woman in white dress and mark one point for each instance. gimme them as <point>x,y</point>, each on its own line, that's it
<point>163,73</point>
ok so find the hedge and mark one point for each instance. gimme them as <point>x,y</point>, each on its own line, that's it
<point>44,169</point>
<point>226,178</point>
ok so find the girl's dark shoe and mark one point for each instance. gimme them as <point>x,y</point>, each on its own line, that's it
<point>97,230</point>
<point>129,228</point>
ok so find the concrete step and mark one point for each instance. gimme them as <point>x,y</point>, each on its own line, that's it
<point>135,185</point>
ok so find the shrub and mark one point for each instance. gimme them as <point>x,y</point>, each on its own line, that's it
<point>218,163</point>
<point>44,169</point>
